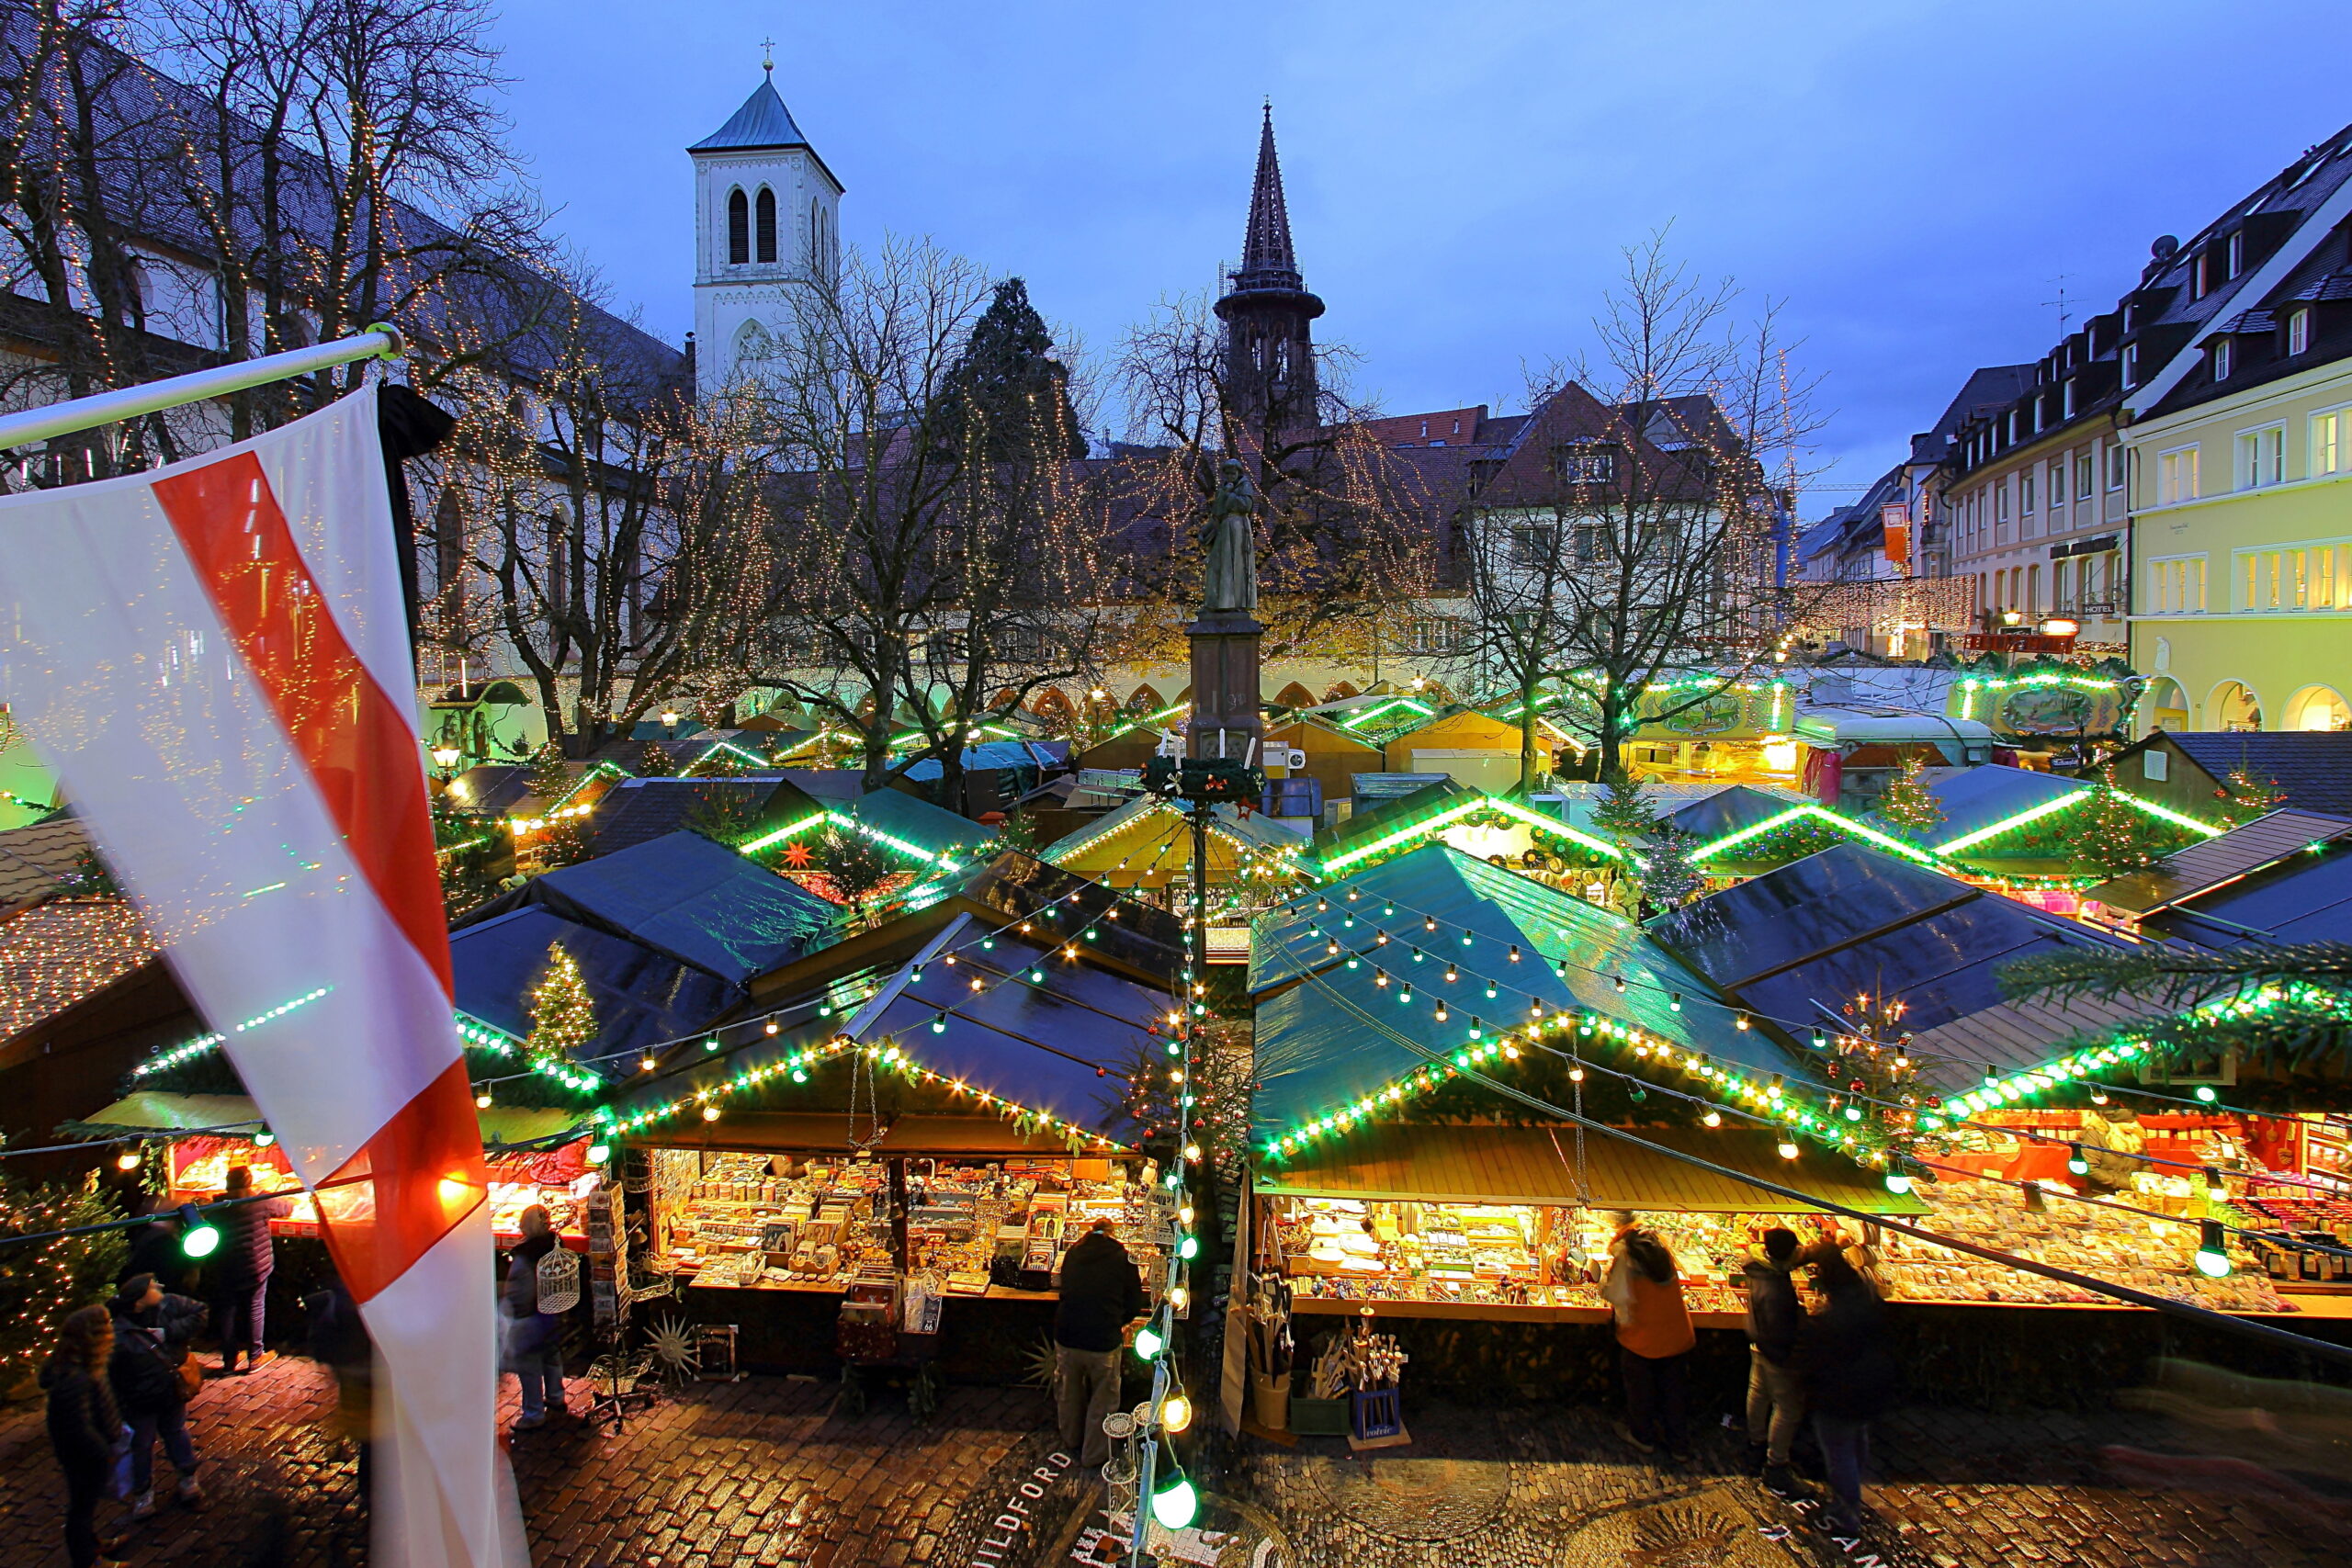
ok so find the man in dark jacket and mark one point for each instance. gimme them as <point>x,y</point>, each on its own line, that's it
<point>1849,1375</point>
<point>1101,1294</point>
<point>241,1272</point>
<point>151,1335</point>
<point>1775,1401</point>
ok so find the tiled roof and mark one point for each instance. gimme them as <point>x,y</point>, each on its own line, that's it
<point>2273,837</point>
<point>55,954</point>
<point>34,860</point>
<point>2312,766</point>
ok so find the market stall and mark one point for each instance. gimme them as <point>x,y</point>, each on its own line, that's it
<point>929,1115</point>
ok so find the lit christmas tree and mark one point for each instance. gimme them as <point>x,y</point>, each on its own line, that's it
<point>563,1015</point>
<point>45,1280</point>
<point>2251,796</point>
<point>1908,803</point>
<point>549,777</point>
<point>2116,837</point>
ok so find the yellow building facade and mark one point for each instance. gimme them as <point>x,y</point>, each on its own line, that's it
<point>2241,558</point>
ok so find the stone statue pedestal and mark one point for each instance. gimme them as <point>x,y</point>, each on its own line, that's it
<point>1226,721</point>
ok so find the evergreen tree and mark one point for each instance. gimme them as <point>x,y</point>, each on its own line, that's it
<point>656,763</point>
<point>563,1015</point>
<point>2251,796</point>
<point>2117,837</point>
<point>1672,877</point>
<point>549,777</point>
<point>1908,803</point>
<point>1008,391</point>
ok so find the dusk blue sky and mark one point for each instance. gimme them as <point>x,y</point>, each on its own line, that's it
<point>1912,178</point>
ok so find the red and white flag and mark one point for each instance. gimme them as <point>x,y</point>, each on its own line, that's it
<point>213,657</point>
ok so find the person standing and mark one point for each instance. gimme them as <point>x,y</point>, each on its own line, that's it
<point>1848,1374</point>
<point>534,1338</point>
<point>1101,1294</point>
<point>339,1342</point>
<point>241,1272</point>
<point>84,1427</point>
<point>151,1335</point>
<point>1643,1286</point>
<point>1775,1398</point>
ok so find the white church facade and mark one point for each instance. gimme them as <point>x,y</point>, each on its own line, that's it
<point>766,222</point>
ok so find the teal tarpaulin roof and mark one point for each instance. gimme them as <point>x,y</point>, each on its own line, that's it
<point>1336,1034</point>
<point>932,829</point>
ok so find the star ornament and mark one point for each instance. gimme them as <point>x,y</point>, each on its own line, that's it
<point>796,855</point>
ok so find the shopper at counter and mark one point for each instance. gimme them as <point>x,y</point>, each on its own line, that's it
<point>1849,1377</point>
<point>1101,1294</point>
<point>1775,1398</point>
<point>1654,1338</point>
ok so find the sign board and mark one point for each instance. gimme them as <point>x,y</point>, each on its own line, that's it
<point>1390,787</point>
<point>1111,781</point>
<point>1895,518</point>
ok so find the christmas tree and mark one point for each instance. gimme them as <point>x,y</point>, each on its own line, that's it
<point>549,777</point>
<point>1908,803</point>
<point>655,762</point>
<point>1672,876</point>
<point>563,1015</point>
<point>46,1280</point>
<point>2116,837</point>
<point>2251,796</point>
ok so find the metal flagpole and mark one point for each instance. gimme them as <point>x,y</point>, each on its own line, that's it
<point>381,341</point>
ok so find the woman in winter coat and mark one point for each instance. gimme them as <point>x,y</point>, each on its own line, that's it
<point>84,1427</point>
<point>534,1340</point>
<point>1654,1338</point>
<point>241,1272</point>
<point>151,1335</point>
<point>1849,1377</point>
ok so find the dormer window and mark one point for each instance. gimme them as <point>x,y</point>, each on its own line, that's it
<point>2066,400</point>
<point>2201,275</point>
<point>2236,251</point>
<point>766,226</point>
<point>2299,331</point>
<point>739,228</point>
<point>2221,360</point>
<point>2130,364</point>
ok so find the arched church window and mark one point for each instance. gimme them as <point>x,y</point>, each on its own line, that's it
<point>739,228</point>
<point>767,224</point>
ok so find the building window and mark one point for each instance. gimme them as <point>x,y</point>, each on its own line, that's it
<point>1585,463</point>
<point>2001,499</point>
<point>2130,364</point>
<point>2299,331</point>
<point>2115,464</point>
<point>739,228</point>
<point>2025,493</point>
<point>2176,586</point>
<point>2177,475</point>
<point>1433,635</point>
<point>2201,275</point>
<point>1533,545</point>
<point>2068,405</point>
<point>2085,473</point>
<point>2222,359</point>
<point>767,224</point>
<point>2305,578</point>
<point>2033,590</point>
<point>2236,253</point>
<point>2331,442</point>
<point>2057,488</point>
<point>2262,456</point>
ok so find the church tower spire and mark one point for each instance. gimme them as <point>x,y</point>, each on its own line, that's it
<point>1268,346</point>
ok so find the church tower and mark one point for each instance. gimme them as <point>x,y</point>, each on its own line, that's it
<point>766,216</point>
<point>1269,347</point>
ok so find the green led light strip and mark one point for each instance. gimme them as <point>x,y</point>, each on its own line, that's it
<point>1843,824</point>
<point>717,748</point>
<point>791,829</point>
<point>1770,1100</point>
<point>1353,719</point>
<point>2035,813</point>
<point>582,782</point>
<point>1429,827</point>
<point>1999,1093</point>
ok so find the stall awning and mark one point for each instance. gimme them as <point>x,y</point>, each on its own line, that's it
<point>157,1111</point>
<point>828,1131</point>
<point>1536,1165</point>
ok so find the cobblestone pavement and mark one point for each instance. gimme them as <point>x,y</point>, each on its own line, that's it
<point>765,1471</point>
<point>1501,1489</point>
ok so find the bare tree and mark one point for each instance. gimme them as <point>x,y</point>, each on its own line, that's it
<point>1640,536</point>
<point>1346,531</point>
<point>944,540</point>
<point>615,531</point>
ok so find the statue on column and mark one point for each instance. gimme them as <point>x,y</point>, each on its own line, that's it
<point>1231,543</point>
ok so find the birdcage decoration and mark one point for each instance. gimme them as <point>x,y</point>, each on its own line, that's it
<point>558,1281</point>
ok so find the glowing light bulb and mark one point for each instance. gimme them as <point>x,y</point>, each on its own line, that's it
<point>1175,1505</point>
<point>1897,1183</point>
<point>127,1160</point>
<point>1175,1413</point>
<point>1148,1342</point>
<point>482,1100</point>
<point>1712,1118</point>
<point>710,1113</point>
<point>1788,1149</point>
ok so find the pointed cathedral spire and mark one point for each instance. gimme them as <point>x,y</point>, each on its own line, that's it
<point>1266,259</point>
<point>1268,346</point>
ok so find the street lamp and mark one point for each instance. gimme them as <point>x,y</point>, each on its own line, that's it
<point>668,723</point>
<point>446,758</point>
